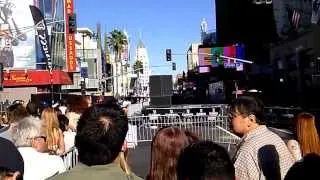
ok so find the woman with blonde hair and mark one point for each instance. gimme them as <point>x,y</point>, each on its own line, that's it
<point>307,136</point>
<point>54,135</point>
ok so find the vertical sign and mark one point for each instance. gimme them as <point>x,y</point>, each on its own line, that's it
<point>70,38</point>
<point>1,76</point>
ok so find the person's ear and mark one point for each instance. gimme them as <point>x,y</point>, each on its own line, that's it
<point>252,118</point>
<point>16,175</point>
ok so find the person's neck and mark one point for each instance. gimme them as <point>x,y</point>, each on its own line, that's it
<point>252,128</point>
<point>117,160</point>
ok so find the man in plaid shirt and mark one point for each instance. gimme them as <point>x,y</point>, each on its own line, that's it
<point>261,154</point>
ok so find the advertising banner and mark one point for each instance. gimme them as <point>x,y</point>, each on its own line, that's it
<point>17,37</point>
<point>70,38</point>
<point>43,36</point>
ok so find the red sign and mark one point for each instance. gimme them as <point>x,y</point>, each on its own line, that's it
<point>70,38</point>
<point>34,78</point>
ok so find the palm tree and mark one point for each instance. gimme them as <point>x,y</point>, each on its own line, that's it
<point>116,41</point>
<point>138,67</point>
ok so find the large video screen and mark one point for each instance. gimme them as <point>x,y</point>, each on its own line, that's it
<point>17,37</point>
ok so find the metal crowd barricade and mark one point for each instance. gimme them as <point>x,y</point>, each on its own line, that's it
<point>208,127</point>
<point>70,158</point>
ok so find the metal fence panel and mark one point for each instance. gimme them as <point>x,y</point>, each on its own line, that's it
<point>207,127</point>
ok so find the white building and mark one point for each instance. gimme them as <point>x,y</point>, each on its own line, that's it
<point>142,88</point>
<point>193,57</point>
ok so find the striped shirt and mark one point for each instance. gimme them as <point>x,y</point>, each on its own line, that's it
<point>247,164</point>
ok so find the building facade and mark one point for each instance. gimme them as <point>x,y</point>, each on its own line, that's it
<point>193,57</point>
<point>87,62</point>
<point>142,88</point>
<point>25,65</point>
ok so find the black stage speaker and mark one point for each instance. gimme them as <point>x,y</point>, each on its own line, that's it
<point>161,101</point>
<point>160,90</point>
<point>160,85</point>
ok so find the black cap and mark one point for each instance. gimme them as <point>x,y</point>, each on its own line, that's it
<point>10,157</point>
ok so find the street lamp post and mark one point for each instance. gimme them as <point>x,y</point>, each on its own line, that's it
<point>83,81</point>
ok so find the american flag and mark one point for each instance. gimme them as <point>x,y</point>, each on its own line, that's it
<point>295,18</point>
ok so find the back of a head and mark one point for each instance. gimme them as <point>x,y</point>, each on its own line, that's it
<point>247,105</point>
<point>205,160</point>
<point>10,158</point>
<point>63,122</point>
<point>16,112</point>
<point>25,130</point>
<point>166,148</point>
<point>307,168</point>
<point>307,134</point>
<point>32,108</point>
<point>101,132</point>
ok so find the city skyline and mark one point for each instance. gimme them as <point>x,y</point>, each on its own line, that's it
<point>174,25</point>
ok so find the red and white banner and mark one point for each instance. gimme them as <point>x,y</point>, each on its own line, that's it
<point>70,38</point>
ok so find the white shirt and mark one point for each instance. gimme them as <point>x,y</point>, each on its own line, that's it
<point>40,166</point>
<point>69,137</point>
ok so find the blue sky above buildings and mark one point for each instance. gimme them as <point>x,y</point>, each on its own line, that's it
<point>162,24</point>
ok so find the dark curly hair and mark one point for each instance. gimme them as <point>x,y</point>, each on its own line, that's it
<point>205,160</point>
<point>101,132</point>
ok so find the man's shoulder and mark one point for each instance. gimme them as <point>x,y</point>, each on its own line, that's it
<point>96,173</point>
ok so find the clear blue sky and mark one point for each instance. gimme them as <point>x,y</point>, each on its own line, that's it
<point>164,24</point>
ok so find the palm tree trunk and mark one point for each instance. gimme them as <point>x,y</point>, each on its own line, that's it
<point>115,93</point>
<point>122,84</point>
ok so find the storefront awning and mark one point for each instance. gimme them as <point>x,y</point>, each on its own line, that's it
<point>16,78</point>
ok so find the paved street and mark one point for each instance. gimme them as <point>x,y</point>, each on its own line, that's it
<point>139,158</point>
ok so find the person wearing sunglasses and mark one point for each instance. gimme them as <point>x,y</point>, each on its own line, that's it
<point>259,150</point>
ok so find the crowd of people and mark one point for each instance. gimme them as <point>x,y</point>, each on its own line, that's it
<point>32,140</point>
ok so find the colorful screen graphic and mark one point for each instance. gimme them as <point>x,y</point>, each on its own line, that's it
<point>211,56</point>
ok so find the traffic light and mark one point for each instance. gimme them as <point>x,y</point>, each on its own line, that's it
<point>174,66</point>
<point>72,20</point>
<point>168,55</point>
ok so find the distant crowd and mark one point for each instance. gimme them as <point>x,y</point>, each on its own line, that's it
<point>34,137</point>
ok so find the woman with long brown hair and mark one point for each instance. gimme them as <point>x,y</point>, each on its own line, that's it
<point>165,150</point>
<point>54,135</point>
<point>307,136</point>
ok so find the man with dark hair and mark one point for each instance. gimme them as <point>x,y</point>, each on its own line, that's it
<point>11,161</point>
<point>101,132</point>
<point>203,161</point>
<point>246,115</point>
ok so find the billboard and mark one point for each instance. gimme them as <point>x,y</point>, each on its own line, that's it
<point>211,56</point>
<point>17,37</point>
